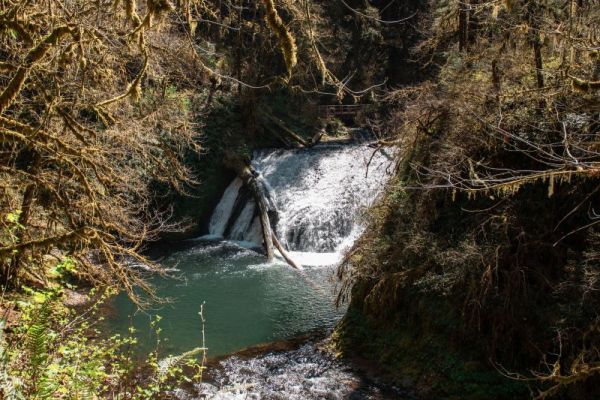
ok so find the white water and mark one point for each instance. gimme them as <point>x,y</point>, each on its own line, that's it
<point>218,221</point>
<point>305,373</point>
<point>319,195</point>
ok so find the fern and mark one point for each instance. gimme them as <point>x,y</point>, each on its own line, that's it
<point>37,340</point>
<point>167,364</point>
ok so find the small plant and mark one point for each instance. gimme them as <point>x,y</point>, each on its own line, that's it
<point>55,352</point>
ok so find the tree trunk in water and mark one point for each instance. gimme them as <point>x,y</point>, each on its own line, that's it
<point>285,254</point>
<point>248,176</point>
<point>266,228</point>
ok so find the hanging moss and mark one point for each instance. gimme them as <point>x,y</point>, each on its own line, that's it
<point>134,89</point>
<point>131,13</point>
<point>16,83</point>
<point>584,86</point>
<point>286,40</point>
<point>159,7</point>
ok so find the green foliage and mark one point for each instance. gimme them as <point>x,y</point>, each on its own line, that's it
<point>59,353</point>
<point>67,266</point>
<point>9,226</point>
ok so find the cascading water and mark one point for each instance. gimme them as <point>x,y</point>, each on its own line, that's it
<point>218,222</point>
<point>304,373</point>
<point>319,195</point>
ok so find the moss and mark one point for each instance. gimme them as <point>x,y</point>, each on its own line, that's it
<point>422,360</point>
<point>286,40</point>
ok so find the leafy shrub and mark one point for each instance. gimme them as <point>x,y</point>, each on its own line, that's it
<point>55,352</point>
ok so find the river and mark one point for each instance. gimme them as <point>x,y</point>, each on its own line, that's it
<point>320,195</point>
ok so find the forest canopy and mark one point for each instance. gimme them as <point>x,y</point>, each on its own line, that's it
<point>99,104</point>
<point>113,112</point>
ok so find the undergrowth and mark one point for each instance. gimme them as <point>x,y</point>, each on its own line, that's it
<point>486,242</point>
<point>55,352</point>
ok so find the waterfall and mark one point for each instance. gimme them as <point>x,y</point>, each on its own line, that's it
<point>319,194</point>
<point>221,215</point>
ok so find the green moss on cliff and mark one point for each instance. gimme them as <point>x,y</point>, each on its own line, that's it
<point>416,353</point>
<point>448,287</point>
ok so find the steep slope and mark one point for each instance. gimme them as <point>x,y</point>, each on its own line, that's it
<point>481,261</point>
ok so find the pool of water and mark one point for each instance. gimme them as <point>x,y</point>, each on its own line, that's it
<point>246,301</point>
<point>318,197</point>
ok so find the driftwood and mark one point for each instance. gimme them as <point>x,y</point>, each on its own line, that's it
<point>288,132</point>
<point>285,254</point>
<point>248,176</point>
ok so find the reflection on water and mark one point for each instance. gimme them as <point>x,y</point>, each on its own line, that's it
<point>246,301</point>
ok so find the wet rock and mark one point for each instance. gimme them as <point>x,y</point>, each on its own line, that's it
<point>73,298</point>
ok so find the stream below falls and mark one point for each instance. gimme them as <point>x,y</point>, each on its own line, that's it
<point>320,196</point>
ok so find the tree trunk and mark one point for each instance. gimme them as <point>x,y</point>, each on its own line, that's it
<point>215,82</point>
<point>285,254</point>
<point>537,51</point>
<point>26,205</point>
<point>247,175</point>
<point>263,210</point>
<point>463,26</point>
<point>595,125</point>
<point>238,63</point>
<point>532,19</point>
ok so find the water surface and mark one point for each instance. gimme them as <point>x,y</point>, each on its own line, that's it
<point>316,197</point>
<point>303,373</point>
<point>246,301</point>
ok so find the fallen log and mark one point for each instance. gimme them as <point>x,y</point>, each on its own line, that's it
<point>263,211</point>
<point>285,254</point>
<point>291,134</point>
<point>247,175</point>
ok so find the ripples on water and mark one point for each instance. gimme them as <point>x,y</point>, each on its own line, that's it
<point>246,301</point>
<point>305,373</point>
<point>319,195</point>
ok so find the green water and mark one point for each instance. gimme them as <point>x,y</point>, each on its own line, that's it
<point>246,302</point>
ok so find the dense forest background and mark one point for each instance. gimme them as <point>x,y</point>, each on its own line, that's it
<point>478,275</point>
